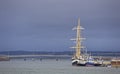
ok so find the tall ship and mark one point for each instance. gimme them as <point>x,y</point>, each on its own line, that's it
<point>81,58</point>
<point>78,58</point>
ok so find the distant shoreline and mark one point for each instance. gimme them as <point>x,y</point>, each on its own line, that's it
<point>60,53</point>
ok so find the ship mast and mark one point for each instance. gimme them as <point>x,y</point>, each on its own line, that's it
<point>78,41</point>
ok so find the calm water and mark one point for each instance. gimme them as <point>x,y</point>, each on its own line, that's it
<point>50,67</point>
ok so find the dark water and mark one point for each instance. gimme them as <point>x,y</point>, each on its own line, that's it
<point>50,66</point>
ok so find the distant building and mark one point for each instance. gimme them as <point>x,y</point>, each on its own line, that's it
<point>115,63</point>
<point>4,58</point>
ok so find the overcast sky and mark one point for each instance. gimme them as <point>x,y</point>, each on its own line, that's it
<point>46,25</point>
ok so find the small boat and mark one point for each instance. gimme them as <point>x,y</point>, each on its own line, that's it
<point>92,62</point>
<point>98,63</point>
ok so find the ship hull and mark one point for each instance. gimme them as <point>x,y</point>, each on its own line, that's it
<point>78,63</point>
<point>93,64</point>
<point>98,64</point>
<point>89,64</point>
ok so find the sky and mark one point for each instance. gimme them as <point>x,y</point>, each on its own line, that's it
<point>46,25</point>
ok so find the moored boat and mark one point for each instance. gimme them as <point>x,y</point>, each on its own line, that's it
<point>92,62</point>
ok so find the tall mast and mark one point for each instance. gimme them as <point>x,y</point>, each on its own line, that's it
<point>78,40</point>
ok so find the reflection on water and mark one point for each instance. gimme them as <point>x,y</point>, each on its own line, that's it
<point>47,66</point>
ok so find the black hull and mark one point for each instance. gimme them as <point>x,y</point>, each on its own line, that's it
<point>93,64</point>
<point>90,64</point>
<point>97,64</point>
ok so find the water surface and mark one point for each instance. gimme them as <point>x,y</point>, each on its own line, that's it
<point>50,67</point>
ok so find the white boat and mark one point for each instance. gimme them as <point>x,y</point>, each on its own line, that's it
<point>98,63</point>
<point>92,62</point>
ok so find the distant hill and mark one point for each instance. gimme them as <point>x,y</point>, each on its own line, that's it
<point>35,53</point>
<point>94,53</point>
